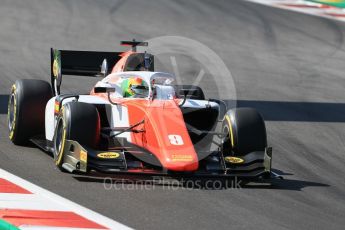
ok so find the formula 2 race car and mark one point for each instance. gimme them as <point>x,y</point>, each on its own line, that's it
<point>135,120</point>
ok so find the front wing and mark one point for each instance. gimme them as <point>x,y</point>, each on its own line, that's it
<point>80,159</point>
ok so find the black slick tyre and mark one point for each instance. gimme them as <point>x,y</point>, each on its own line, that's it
<point>26,109</point>
<point>78,122</point>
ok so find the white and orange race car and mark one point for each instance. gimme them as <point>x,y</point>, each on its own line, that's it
<point>135,120</point>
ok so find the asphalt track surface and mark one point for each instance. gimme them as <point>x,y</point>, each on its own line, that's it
<point>288,65</point>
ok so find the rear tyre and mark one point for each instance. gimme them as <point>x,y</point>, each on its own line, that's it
<point>78,122</point>
<point>26,109</point>
<point>245,132</point>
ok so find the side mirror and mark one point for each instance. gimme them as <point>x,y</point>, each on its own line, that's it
<point>187,92</point>
<point>104,68</point>
<point>104,90</point>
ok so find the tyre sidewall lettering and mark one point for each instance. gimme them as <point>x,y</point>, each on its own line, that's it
<point>13,124</point>
<point>59,155</point>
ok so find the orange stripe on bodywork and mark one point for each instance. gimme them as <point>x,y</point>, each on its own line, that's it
<point>163,118</point>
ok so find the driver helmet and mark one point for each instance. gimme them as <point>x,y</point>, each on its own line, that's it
<point>131,87</point>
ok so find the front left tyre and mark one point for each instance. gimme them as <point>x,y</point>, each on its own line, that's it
<point>26,109</point>
<point>245,132</point>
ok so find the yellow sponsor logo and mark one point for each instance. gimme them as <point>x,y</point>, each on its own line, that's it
<point>184,158</point>
<point>83,156</point>
<point>55,68</point>
<point>234,160</point>
<point>108,155</point>
<point>56,108</point>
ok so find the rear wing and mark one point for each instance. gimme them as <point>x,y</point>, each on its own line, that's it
<point>82,63</point>
<point>134,44</point>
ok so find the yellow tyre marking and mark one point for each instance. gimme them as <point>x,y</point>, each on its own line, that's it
<point>60,154</point>
<point>13,91</point>
<point>62,147</point>
<point>231,135</point>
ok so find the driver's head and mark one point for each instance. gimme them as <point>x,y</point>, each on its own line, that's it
<point>132,86</point>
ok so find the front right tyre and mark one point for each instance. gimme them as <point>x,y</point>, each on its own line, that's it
<point>78,122</point>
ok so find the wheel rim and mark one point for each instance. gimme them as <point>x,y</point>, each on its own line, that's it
<point>11,114</point>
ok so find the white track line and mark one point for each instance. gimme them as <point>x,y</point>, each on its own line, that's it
<point>29,202</point>
<point>67,204</point>
<point>306,7</point>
